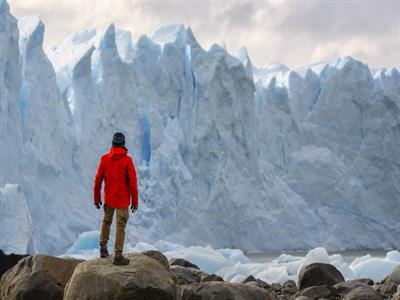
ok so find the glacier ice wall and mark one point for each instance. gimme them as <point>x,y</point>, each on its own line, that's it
<point>16,233</point>
<point>227,154</point>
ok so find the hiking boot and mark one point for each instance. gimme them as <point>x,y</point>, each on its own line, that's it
<point>103,251</point>
<point>120,260</point>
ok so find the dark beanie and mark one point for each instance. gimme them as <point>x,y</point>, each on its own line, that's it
<point>118,140</point>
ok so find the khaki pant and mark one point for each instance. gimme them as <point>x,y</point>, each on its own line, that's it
<point>122,218</point>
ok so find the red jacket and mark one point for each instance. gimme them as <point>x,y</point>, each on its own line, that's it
<point>117,169</point>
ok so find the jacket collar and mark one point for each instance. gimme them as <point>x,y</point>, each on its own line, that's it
<point>118,151</point>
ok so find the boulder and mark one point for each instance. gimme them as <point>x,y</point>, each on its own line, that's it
<point>363,293</point>
<point>302,298</point>
<point>317,292</point>
<point>199,273</point>
<point>346,287</point>
<point>159,257</point>
<point>143,278</point>
<point>289,287</point>
<point>319,274</point>
<point>37,277</point>
<point>395,275</point>
<point>9,261</point>
<point>211,277</point>
<point>224,291</point>
<point>249,278</point>
<point>182,262</point>
<point>368,281</point>
<point>386,289</point>
<point>185,275</point>
<point>396,296</point>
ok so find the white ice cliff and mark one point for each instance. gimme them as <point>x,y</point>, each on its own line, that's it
<point>227,154</point>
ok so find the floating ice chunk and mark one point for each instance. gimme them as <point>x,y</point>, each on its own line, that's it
<point>317,255</point>
<point>238,278</point>
<point>88,240</point>
<point>336,257</point>
<point>275,274</point>
<point>206,258</point>
<point>140,247</point>
<point>347,273</point>
<point>234,255</point>
<point>374,268</point>
<point>393,256</point>
<point>233,265</point>
<point>164,246</point>
<point>284,258</point>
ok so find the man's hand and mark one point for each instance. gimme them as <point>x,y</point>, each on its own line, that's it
<point>133,208</point>
<point>98,204</point>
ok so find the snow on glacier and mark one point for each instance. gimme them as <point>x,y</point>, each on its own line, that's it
<point>227,154</point>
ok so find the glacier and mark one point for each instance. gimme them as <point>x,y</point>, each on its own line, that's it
<point>227,154</point>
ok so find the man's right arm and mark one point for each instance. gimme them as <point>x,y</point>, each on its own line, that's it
<point>133,183</point>
<point>98,180</point>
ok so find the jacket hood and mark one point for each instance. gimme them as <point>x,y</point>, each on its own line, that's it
<point>118,152</point>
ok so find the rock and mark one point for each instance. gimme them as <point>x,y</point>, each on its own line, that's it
<point>198,272</point>
<point>289,283</point>
<point>345,287</point>
<point>249,278</point>
<point>211,277</point>
<point>386,289</point>
<point>363,293</point>
<point>143,278</point>
<point>368,281</point>
<point>289,287</point>
<point>37,277</point>
<point>9,261</point>
<point>158,256</point>
<point>395,275</point>
<point>224,291</point>
<point>183,263</point>
<point>396,296</point>
<point>185,275</point>
<point>317,292</point>
<point>276,289</point>
<point>319,274</point>
<point>289,290</point>
<point>259,283</point>
<point>302,298</point>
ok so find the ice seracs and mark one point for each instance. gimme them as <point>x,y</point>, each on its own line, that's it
<point>227,154</point>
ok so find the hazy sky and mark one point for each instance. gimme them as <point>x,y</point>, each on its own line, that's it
<point>292,32</point>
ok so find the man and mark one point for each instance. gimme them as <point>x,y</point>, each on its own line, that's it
<point>117,169</point>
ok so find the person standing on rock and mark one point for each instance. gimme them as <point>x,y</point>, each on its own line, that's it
<point>117,170</point>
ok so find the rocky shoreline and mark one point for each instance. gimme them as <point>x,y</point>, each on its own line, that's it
<point>151,276</point>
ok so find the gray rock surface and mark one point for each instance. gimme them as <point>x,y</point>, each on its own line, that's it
<point>143,278</point>
<point>37,277</point>
<point>319,274</point>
